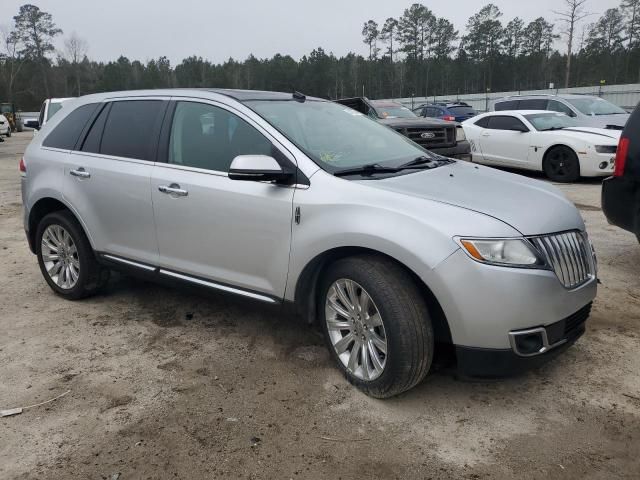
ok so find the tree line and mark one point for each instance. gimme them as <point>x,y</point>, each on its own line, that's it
<point>416,54</point>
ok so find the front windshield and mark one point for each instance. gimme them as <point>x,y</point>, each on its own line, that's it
<point>337,137</point>
<point>53,108</point>
<point>394,112</point>
<point>550,121</point>
<point>595,106</point>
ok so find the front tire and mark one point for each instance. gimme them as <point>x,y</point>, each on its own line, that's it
<point>561,165</point>
<point>66,259</point>
<point>376,324</point>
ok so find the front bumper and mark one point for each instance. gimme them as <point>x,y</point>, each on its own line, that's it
<point>484,303</point>
<point>595,164</point>
<point>621,203</point>
<point>461,151</point>
<point>497,363</point>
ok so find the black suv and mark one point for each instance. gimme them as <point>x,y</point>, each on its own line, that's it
<point>444,138</point>
<point>621,193</point>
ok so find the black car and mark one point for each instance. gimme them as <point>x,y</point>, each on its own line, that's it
<point>444,138</point>
<point>621,193</point>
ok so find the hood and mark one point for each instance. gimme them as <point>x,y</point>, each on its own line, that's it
<point>530,206</point>
<point>592,134</point>
<point>602,121</point>
<point>418,122</point>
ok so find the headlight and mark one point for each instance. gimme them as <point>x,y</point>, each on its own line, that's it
<point>460,136</point>
<point>606,148</point>
<point>514,252</point>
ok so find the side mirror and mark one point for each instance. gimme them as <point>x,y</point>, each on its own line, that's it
<point>257,168</point>
<point>32,124</point>
<point>520,128</point>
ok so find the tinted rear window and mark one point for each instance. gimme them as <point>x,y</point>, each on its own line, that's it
<point>533,104</point>
<point>508,105</point>
<point>131,129</point>
<point>66,134</point>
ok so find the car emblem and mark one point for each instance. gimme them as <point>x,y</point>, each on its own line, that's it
<point>427,135</point>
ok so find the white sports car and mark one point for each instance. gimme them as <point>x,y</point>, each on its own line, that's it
<point>544,141</point>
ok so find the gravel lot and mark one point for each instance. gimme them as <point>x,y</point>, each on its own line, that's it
<point>169,384</point>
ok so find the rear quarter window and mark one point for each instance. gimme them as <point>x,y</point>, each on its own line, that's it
<point>66,133</point>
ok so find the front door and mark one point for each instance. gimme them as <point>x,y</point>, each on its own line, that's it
<point>504,143</point>
<point>234,233</point>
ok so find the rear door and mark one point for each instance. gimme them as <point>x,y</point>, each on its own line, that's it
<point>502,144</point>
<point>107,178</point>
<point>226,233</point>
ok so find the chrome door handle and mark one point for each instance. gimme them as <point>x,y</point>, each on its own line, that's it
<point>486,134</point>
<point>80,172</point>
<point>173,189</point>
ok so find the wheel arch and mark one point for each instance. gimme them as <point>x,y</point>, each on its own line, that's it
<point>306,288</point>
<point>556,145</point>
<point>40,209</point>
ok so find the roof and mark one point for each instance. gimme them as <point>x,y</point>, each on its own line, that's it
<point>385,103</point>
<point>246,95</point>
<point>545,95</point>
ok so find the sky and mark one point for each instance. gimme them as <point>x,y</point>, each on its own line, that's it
<point>217,29</point>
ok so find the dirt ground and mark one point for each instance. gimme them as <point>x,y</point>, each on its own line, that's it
<point>169,384</point>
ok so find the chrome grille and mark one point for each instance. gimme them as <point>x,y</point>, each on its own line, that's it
<point>570,256</point>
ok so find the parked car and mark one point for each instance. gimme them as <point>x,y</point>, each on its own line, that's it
<point>49,108</point>
<point>5,126</point>
<point>586,110</point>
<point>621,192</point>
<point>290,200</point>
<point>449,111</point>
<point>440,137</point>
<point>549,142</point>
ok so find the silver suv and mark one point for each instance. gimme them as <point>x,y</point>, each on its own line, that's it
<point>298,201</point>
<point>586,110</point>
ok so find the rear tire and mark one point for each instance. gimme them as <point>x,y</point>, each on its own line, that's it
<point>66,259</point>
<point>561,164</point>
<point>9,132</point>
<point>393,324</point>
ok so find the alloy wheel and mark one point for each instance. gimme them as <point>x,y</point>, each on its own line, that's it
<point>60,256</point>
<point>356,329</point>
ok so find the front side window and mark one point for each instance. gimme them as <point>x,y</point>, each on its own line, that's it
<point>209,137</point>
<point>66,133</point>
<point>505,122</point>
<point>130,129</point>
<point>556,106</point>
<point>507,105</point>
<point>595,106</point>
<point>337,137</point>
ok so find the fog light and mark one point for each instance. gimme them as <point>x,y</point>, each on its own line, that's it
<point>527,343</point>
<point>603,165</point>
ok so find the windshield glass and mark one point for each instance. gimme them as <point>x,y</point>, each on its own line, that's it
<point>550,121</point>
<point>53,108</point>
<point>337,137</point>
<point>595,106</point>
<point>394,112</point>
<point>5,108</point>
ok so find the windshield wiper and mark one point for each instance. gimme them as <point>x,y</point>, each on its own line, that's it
<point>426,162</point>
<point>365,170</point>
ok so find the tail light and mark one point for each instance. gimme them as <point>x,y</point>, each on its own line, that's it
<point>449,118</point>
<point>621,157</point>
<point>22,167</point>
